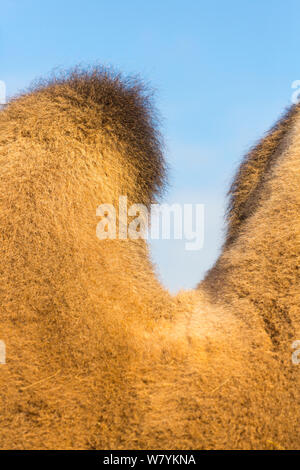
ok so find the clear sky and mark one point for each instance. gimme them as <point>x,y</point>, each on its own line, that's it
<point>223,71</point>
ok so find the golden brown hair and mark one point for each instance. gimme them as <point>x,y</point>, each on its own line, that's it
<point>244,193</point>
<point>99,355</point>
<point>259,263</point>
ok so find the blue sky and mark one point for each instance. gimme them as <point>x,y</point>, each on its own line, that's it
<point>223,73</point>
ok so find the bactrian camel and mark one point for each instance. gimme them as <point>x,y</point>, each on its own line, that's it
<point>98,354</point>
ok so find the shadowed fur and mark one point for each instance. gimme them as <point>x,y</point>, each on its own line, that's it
<point>99,355</point>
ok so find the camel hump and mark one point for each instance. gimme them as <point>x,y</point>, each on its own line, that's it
<point>93,112</point>
<point>245,190</point>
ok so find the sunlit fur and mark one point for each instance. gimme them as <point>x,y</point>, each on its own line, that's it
<point>99,355</point>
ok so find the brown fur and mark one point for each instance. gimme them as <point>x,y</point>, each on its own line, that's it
<point>260,259</point>
<point>99,355</point>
